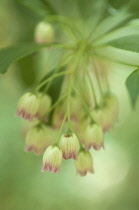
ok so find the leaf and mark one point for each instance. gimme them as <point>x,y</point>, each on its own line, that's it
<point>129,43</point>
<point>132,84</point>
<point>87,8</point>
<point>40,7</point>
<point>111,23</point>
<point>27,74</point>
<point>11,54</point>
<point>132,6</point>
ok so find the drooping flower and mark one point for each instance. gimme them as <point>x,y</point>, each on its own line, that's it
<point>107,115</point>
<point>52,159</point>
<point>75,116</point>
<point>44,105</point>
<point>44,32</point>
<point>38,138</point>
<point>94,137</point>
<point>28,106</point>
<point>84,163</point>
<point>69,145</point>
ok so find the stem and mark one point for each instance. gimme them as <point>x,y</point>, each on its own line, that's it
<point>98,79</point>
<point>62,125</point>
<point>56,103</point>
<point>107,83</point>
<point>93,89</point>
<point>81,146</point>
<point>85,106</point>
<point>51,78</point>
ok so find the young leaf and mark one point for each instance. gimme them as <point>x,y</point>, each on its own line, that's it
<point>111,23</point>
<point>129,43</point>
<point>132,84</point>
<point>11,54</point>
<point>40,7</point>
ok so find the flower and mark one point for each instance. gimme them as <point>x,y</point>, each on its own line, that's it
<point>44,32</point>
<point>52,159</point>
<point>94,137</point>
<point>84,163</point>
<point>69,145</point>
<point>107,114</point>
<point>75,115</point>
<point>38,138</point>
<point>44,105</point>
<point>28,106</point>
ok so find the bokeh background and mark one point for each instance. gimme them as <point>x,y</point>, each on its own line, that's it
<point>115,184</point>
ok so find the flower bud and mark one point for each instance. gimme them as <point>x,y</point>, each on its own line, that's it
<point>44,33</point>
<point>52,159</point>
<point>28,106</point>
<point>84,163</point>
<point>69,145</point>
<point>38,138</point>
<point>44,105</point>
<point>94,137</point>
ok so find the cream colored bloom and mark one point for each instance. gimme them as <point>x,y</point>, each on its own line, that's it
<point>69,145</point>
<point>44,105</point>
<point>28,106</point>
<point>84,163</point>
<point>107,115</point>
<point>38,138</point>
<point>94,137</point>
<point>52,159</point>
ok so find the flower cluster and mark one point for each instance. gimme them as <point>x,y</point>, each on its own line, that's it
<point>69,125</point>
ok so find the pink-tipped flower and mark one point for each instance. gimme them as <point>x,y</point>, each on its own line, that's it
<point>69,145</point>
<point>28,106</point>
<point>44,33</point>
<point>37,139</point>
<point>44,105</point>
<point>52,159</point>
<point>94,137</point>
<point>84,163</point>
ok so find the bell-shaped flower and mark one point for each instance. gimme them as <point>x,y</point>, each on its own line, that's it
<point>84,163</point>
<point>38,138</point>
<point>94,137</point>
<point>44,105</point>
<point>69,145</point>
<point>28,106</point>
<point>52,159</point>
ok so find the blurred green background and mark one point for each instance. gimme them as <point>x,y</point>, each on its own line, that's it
<point>115,184</point>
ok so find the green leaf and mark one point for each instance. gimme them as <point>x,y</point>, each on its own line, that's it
<point>132,84</point>
<point>40,7</point>
<point>27,74</point>
<point>111,23</point>
<point>129,43</point>
<point>11,54</point>
<point>132,6</point>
